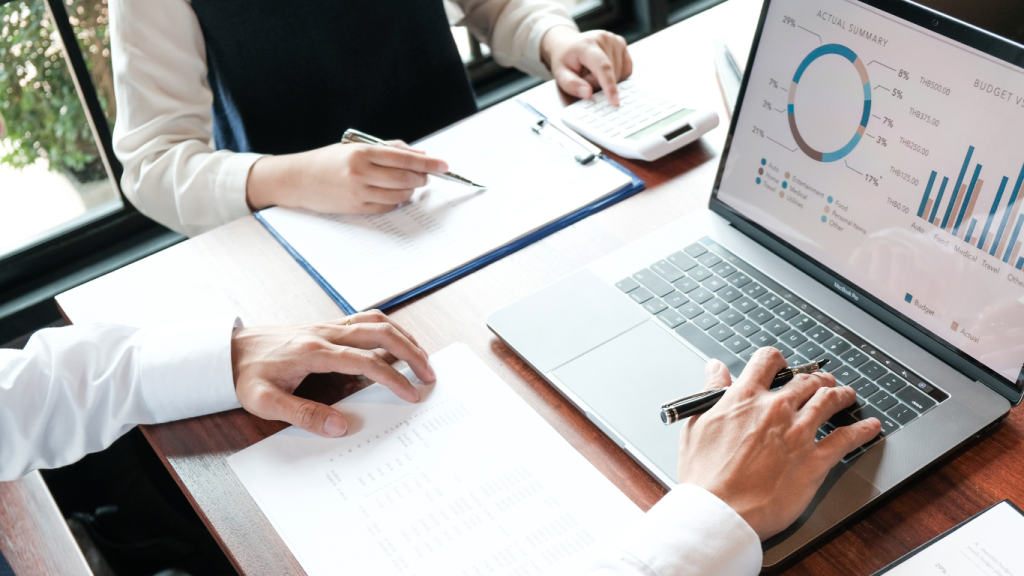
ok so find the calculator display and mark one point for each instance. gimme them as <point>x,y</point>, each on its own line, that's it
<point>666,121</point>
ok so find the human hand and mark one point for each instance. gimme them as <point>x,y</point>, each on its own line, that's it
<point>582,62</point>
<point>341,178</point>
<point>755,449</point>
<point>269,363</point>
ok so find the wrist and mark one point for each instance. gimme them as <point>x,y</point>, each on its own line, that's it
<point>553,40</point>
<point>269,177</point>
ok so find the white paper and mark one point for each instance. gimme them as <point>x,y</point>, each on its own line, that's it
<point>532,181</point>
<point>989,545</point>
<point>468,481</point>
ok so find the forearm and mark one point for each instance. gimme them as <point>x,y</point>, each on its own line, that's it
<point>514,29</point>
<point>75,390</point>
<point>690,532</point>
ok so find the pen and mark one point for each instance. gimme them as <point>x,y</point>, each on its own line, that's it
<point>353,136</point>
<point>701,402</point>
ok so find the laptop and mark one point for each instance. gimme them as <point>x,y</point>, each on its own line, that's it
<point>867,209</point>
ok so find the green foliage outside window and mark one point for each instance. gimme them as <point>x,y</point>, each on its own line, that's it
<point>44,117</point>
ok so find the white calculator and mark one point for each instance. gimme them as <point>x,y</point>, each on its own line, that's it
<point>646,126</point>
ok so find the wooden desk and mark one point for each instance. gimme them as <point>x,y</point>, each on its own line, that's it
<point>34,537</point>
<point>240,270</point>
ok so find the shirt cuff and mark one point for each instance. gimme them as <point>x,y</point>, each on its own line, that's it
<point>186,370</point>
<point>229,188</point>
<point>691,531</point>
<point>533,65</point>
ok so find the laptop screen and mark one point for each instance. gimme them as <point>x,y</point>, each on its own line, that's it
<point>893,156</point>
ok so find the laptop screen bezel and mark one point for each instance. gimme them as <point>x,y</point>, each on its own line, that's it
<point>953,29</point>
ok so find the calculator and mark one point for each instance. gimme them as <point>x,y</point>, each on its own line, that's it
<point>646,126</point>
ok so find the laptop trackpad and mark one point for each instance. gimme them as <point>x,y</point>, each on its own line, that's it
<point>626,380</point>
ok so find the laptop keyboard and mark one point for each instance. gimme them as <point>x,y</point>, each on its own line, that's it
<point>727,309</point>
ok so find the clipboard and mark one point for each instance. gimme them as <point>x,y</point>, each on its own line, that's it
<point>324,277</point>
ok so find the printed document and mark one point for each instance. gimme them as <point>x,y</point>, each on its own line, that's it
<point>532,180</point>
<point>470,480</point>
<point>988,545</point>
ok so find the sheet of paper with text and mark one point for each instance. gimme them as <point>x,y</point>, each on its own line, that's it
<point>531,180</point>
<point>468,481</point>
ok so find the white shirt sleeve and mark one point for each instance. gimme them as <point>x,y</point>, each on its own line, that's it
<point>75,390</point>
<point>514,28</point>
<point>164,130</point>
<point>689,532</point>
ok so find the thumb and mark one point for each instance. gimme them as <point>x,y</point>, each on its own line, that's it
<point>571,82</point>
<point>311,416</point>
<point>846,439</point>
<point>716,375</point>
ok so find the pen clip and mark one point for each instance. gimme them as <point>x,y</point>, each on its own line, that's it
<point>353,136</point>
<point>696,396</point>
<point>572,145</point>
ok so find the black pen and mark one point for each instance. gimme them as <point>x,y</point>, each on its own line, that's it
<point>701,402</point>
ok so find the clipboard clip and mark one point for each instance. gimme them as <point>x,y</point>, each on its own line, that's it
<point>583,153</point>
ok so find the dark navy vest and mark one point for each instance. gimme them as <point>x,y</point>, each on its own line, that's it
<point>293,76</point>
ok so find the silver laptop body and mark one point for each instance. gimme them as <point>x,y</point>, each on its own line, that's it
<point>808,245</point>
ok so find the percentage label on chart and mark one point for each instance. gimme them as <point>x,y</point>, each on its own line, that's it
<point>904,74</point>
<point>873,180</point>
<point>767,104</point>
<point>882,141</point>
<point>773,83</point>
<point>789,21</point>
<point>758,132</point>
<point>887,121</point>
<point>897,93</point>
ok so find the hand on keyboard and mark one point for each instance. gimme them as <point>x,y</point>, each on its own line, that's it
<point>757,450</point>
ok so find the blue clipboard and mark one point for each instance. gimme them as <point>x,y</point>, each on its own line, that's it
<point>635,185</point>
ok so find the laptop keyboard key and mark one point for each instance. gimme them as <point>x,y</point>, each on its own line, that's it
<point>705,321</point>
<point>836,345</point>
<point>760,315</point>
<point>714,284</point>
<point>695,249</point>
<point>686,285</point>
<point>641,295</point>
<point>917,400</point>
<point>754,290</point>
<point>699,273</point>
<point>787,352</point>
<point>721,332</point>
<point>731,317</point>
<point>845,375</point>
<point>723,269</point>
<point>902,414</point>
<point>667,271</point>
<point>803,323</point>
<point>810,350</point>
<point>744,305</point>
<point>707,346</point>
<point>747,354</point>
<point>691,310</point>
<point>776,327</point>
<point>701,295</point>
<point>709,260</point>
<point>883,400</point>
<point>682,261</point>
<point>746,328</point>
<point>716,306</point>
<point>864,387</point>
<point>854,357</point>
<point>769,301</point>
<point>786,312</point>
<point>739,279</point>
<point>819,334</point>
<point>873,370</point>
<point>888,424</point>
<point>627,285</point>
<point>676,299</point>
<point>736,344</point>
<point>793,338</point>
<point>892,383</point>
<point>729,293</point>
<point>654,306</point>
<point>762,339</point>
<point>653,282</point>
<point>671,318</point>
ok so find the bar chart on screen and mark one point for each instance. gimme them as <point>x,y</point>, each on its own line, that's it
<point>995,231</point>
